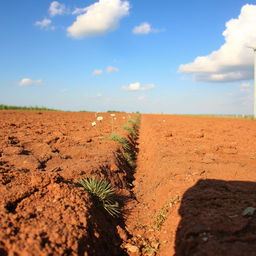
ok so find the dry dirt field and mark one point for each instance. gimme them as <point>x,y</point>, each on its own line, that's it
<point>192,191</point>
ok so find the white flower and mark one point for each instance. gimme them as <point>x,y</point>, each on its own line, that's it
<point>93,123</point>
<point>99,118</point>
<point>114,118</point>
<point>112,115</point>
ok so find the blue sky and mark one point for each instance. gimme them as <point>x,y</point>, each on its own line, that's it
<point>128,55</point>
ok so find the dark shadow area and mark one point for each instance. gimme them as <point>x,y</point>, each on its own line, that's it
<point>126,159</point>
<point>11,206</point>
<point>217,219</point>
<point>126,166</point>
<point>102,235</point>
<point>117,177</point>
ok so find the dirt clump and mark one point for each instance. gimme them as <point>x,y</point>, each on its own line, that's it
<point>43,156</point>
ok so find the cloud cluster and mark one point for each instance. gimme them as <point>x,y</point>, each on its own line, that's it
<point>78,11</point>
<point>109,69</point>
<point>137,87</point>
<point>143,29</point>
<point>29,82</point>
<point>233,60</point>
<point>99,18</point>
<point>96,19</point>
<point>43,24</point>
<point>57,8</point>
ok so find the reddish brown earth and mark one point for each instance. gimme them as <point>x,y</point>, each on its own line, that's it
<point>42,157</point>
<point>194,178</point>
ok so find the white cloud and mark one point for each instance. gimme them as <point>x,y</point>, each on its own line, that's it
<point>143,29</point>
<point>137,87</point>
<point>78,11</point>
<point>99,18</point>
<point>43,24</point>
<point>97,72</point>
<point>233,60</point>
<point>57,8</point>
<point>111,69</point>
<point>29,82</point>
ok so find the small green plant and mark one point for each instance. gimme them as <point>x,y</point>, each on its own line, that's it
<point>94,124</point>
<point>113,118</point>
<point>131,121</point>
<point>135,122</point>
<point>150,250</point>
<point>131,130</point>
<point>128,157</point>
<point>162,215</point>
<point>102,193</point>
<point>118,138</point>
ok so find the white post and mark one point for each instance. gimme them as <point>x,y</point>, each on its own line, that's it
<point>254,109</point>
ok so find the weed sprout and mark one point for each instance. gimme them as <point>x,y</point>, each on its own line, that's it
<point>102,194</point>
<point>112,121</point>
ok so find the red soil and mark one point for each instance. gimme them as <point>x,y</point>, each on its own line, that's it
<point>42,157</point>
<point>194,178</point>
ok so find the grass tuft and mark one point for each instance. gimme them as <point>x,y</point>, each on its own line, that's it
<point>131,130</point>
<point>118,138</point>
<point>161,216</point>
<point>135,122</point>
<point>102,193</point>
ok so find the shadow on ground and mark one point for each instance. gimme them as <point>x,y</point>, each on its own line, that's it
<point>103,236</point>
<point>217,218</point>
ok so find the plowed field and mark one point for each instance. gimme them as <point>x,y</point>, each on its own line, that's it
<point>195,176</point>
<point>193,191</point>
<point>42,157</point>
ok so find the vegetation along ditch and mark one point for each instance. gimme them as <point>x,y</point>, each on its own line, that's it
<point>109,193</point>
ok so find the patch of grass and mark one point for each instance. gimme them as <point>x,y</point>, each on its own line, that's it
<point>115,111</point>
<point>102,194</point>
<point>218,116</point>
<point>135,122</point>
<point>150,250</point>
<point>128,157</point>
<point>123,141</point>
<point>162,215</point>
<point>131,130</point>
<point>7,107</point>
